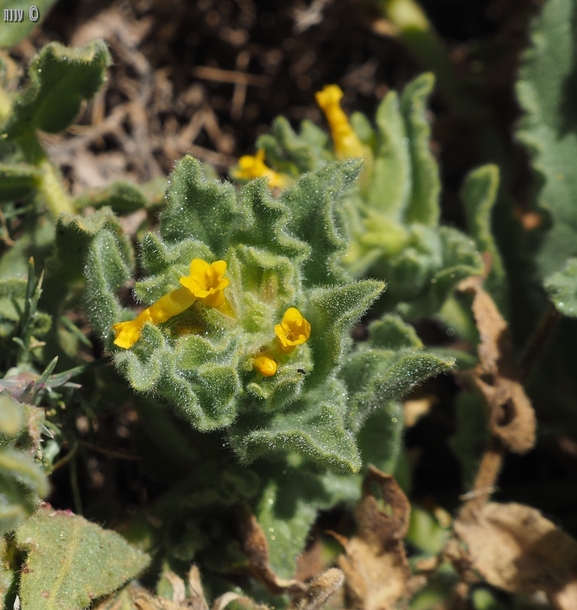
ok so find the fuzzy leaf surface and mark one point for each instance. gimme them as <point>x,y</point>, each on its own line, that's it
<point>71,561</point>
<point>546,87</point>
<point>562,288</point>
<point>22,482</point>
<point>60,79</point>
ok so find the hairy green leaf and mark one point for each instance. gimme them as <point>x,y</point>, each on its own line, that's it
<point>562,288</point>
<point>546,87</point>
<point>60,79</point>
<point>71,561</point>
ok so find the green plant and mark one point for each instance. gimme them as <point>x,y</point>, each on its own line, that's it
<point>393,210</point>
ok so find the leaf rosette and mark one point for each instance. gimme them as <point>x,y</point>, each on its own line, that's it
<point>258,348</point>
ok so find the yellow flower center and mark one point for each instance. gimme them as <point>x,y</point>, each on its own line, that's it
<point>345,140</point>
<point>206,282</point>
<point>293,330</point>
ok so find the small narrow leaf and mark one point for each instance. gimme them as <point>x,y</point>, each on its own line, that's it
<point>424,202</point>
<point>17,180</point>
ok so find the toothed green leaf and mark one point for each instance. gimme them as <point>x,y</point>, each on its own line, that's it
<point>333,311</point>
<point>318,219</point>
<point>546,86</point>
<point>198,208</point>
<point>315,428</point>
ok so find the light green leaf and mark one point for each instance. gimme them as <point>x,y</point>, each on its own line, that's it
<point>479,194</point>
<point>423,204</point>
<point>22,481</point>
<point>121,197</point>
<point>391,183</point>
<point>562,288</point>
<point>71,561</point>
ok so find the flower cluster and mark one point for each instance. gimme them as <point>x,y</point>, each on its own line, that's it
<point>205,284</point>
<point>293,330</point>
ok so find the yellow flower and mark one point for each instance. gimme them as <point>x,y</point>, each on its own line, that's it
<point>205,283</point>
<point>265,365</point>
<point>250,167</point>
<point>293,330</point>
<point>171,304</point>
<point>345,140</point>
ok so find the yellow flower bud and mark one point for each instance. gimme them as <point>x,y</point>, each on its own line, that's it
<point>345,140</point>
<point>265,365</point>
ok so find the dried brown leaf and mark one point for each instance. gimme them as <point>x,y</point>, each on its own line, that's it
<point>319,590</point>
<point>255,547</point>
<point>515,548</point>
<point>310,562</point>
<point>304,596</point>
<point>511,416</point>
<point>375,564</point>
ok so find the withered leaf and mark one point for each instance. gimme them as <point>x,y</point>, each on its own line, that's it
<point>515,548</point>
<point>318,590</point>
<point>375,564</point>
<point>304,596</point>
<point>255,547</point>
<point>511,416</point>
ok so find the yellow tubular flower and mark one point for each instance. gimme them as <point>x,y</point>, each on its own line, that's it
<point>293,330</point>
<point>205,283</point>
<point>345,140</point>
<point>171,304</point>
<point>265,365</point>
<point>250,167</point>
